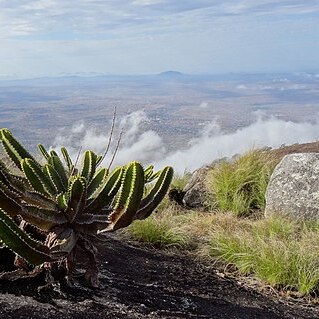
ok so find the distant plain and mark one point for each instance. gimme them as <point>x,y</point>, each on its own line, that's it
<point>178,106</point>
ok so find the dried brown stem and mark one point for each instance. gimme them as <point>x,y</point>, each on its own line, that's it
<point>76,161</point>
<point>116,149</point>
<point>110,136</point>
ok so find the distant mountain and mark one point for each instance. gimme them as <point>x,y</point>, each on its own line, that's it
<point>171,74</point>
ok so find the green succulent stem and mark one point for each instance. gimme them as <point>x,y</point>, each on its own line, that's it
<point>13,148</point>
<point>70,206</point>
<point>17,240</point>
<point>157,193</point>
<point>131,193</point>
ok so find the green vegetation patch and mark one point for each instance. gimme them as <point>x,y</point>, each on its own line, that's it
<point>180,180</point>
<point>283,253</point>
<point>278,251</point>
<point>158,232</point>
<point>239,185</point>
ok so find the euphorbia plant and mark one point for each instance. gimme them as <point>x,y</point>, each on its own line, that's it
<point>69,206</point>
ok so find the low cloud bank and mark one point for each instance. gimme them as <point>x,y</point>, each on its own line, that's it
<point>148,147</point>
<point>135,144</point>
<point>215,144</point>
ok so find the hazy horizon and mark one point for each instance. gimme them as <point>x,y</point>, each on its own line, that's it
<point>305,73</point>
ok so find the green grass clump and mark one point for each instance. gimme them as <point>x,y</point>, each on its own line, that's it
<point>158,232</point>
<point>180,180</point>
<point>240,185</point>
<point>278,251</point>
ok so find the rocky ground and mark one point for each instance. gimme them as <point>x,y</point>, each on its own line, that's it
<point>143,283</point>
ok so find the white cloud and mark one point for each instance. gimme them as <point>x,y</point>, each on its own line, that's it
<point>203,105</point>
<point>135,144</point>
<point>78,128</point>
<point>212,144</point>
<point>146,2</point>
<point>271,7</point>
<point>263,133</point>
<point>99,17</point>
<point>39,5</point>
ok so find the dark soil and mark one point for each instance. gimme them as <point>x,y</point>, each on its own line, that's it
<point>141,283</point>
<point>279,153</point>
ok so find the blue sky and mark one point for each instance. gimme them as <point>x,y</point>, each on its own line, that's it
<point>52,37</point>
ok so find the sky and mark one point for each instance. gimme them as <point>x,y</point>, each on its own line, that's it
<point>56,37</point>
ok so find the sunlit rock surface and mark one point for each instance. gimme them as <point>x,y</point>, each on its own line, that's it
<point>293,189</point>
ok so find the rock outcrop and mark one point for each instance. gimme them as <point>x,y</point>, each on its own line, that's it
<point>195,192</point>
<point>293,189</point>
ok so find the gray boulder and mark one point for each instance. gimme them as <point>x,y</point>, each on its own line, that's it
<point>293,189</point>
<point>195,192</point>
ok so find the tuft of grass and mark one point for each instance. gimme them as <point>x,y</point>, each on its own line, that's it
<point>159,232</point>
<point>180,180</point>
<point>278,251</point>
<point>239,185</point>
